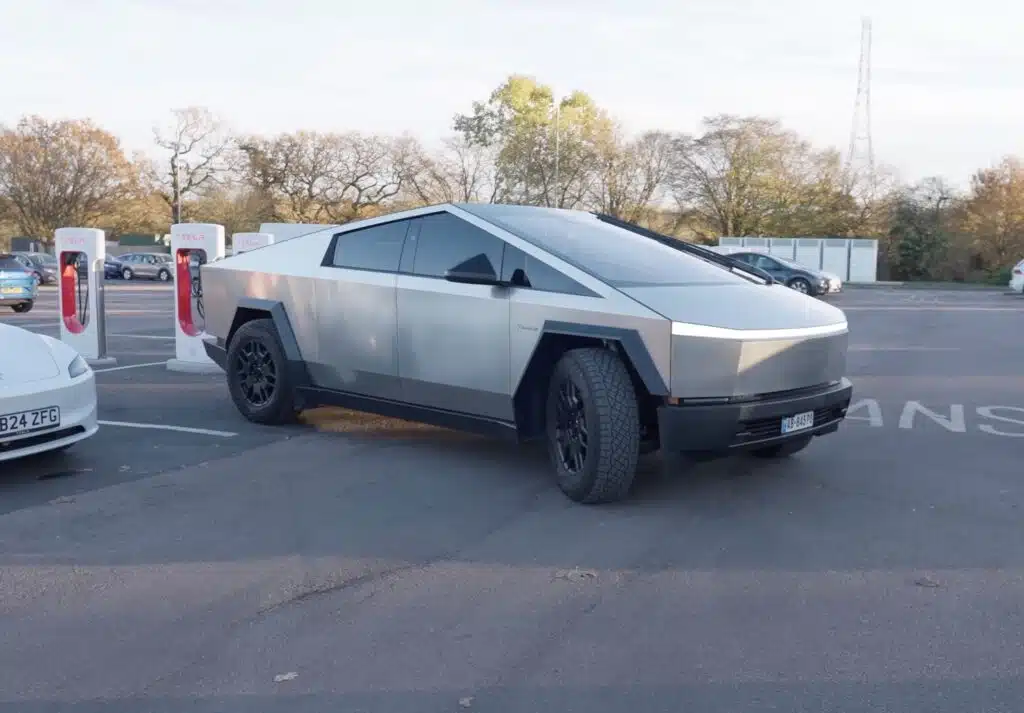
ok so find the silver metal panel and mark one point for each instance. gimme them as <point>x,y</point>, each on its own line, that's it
<point>713,368</point>
<point>357,332</point>
<point>530,309</point>
<point>453,346</point>
<point>746,306</point>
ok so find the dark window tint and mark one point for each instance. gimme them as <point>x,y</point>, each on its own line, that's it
<point>765,263</point>
<point>523,270</point>
<point>445,241</point>
<point>378,247</point>
<point>617,256</point>
<point>10,263</point>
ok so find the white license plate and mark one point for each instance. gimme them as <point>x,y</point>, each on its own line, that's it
<point>40,419</point>
<point>798,423</point>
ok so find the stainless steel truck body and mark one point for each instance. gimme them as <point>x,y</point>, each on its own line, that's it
<point>597,335</point>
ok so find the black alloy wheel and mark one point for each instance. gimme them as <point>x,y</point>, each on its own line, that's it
<point>571,427</point>
<point>256,373</point>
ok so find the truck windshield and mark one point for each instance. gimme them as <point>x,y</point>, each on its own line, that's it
<point>614,255</point>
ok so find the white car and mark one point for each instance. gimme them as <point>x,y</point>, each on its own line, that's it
<point>1017,278</point>
<point>47,394</point>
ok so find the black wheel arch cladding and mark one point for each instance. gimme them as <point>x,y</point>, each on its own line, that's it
<point>630,340</point>
<point>250,308</point>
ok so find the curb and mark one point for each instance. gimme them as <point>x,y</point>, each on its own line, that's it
<point>942,286</point>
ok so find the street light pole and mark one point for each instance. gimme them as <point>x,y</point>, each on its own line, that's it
<point>558,131</point>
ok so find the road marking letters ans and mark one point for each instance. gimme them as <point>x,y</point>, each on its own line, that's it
<point>1009,420</point>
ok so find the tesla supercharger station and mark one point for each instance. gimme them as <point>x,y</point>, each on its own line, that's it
<point>192,245</point>
<point>82,324</point>
<point>244,242</point>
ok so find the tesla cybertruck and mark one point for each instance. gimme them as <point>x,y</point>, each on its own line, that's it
<point>603,338</point>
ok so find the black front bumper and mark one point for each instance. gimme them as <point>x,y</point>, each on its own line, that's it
<point>747,425</point>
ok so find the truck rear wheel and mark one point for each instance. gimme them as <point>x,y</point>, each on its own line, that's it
<point>258,376</point>
<point>593,426</point>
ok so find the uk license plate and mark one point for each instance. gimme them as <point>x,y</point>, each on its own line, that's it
<point>11,290</point>
<point>40,419</point>
<point>799,422</point>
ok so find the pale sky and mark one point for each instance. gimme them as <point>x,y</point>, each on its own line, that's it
<point>946,90</point>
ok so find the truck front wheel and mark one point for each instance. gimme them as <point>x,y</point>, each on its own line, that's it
<point>593,426</point>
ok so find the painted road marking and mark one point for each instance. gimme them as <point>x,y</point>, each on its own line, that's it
<point>930,308</point>
<point>163,427</point>
<point>952,419</point>
<point>144,336</point>
<point>903,349</point>
<point>130,366</point>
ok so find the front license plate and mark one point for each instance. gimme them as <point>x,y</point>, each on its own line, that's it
<point>11,290</point>
<point>798,423</point>
<point>14,424</point>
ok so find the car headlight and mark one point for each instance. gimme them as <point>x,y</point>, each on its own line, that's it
<point>78,367</point>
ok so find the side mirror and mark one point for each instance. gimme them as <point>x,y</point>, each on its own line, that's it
<point>477,270</point>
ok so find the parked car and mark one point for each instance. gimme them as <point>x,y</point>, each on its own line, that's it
<point>18,286</point>
<point>47,394</point>
<point>801,278</point>
<point>43,266</point>
<point>152,266</point>
<point>600,337</point>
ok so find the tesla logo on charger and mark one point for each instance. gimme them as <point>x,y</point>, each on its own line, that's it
<point>75,241</point>
<point>191,237</point>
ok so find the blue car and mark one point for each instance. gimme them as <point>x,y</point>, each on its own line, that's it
<point>18,288</point>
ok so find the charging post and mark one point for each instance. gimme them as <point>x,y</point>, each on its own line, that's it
<point>244,242</point>
<point>192,246</point>
<point>81,253</point>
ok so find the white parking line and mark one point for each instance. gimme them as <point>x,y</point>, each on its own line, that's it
<point>902,349</point>
<point>162,427</point>
<point>926,308</point>
<point>130,366</point>
<point>144,336</point>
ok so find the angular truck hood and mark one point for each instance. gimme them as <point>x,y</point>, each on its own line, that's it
<point>24,357</point>
<point>732,306</point>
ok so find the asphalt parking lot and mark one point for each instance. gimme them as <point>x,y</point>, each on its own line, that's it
<point>402,570</point>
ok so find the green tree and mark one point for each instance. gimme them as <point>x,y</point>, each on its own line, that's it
<point>548,153</point>
<point>994,214</point>
<point>921,230</point>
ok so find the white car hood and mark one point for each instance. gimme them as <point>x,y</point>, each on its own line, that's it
<point>24,357</point>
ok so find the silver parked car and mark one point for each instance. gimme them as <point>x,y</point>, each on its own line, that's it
<point>152,266</point>
<point>602,338</point>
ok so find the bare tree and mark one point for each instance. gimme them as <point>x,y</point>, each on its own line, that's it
<point>323,177</point>
<point>199,152</point>
<point>461,172</point>
<point>632,174</point>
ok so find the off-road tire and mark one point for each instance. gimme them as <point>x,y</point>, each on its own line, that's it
<point>23,307</point>
<point>280,409</point>
<point>799,280</point>
<point>783,450</point>
<point>613,426</point>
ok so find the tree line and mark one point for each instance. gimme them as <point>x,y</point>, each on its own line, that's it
<point>736,176</point>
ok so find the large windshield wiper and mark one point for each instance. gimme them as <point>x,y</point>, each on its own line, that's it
<point>729,263</point>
